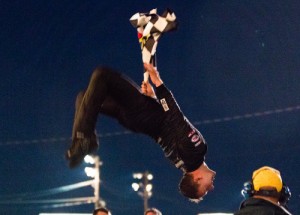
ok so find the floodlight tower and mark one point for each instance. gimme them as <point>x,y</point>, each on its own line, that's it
<point>94,172</point>
<point>143,188</point>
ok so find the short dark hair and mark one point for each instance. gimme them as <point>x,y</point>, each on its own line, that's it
<point>189,188</point>
<point>102,209</point>
<point>154,210</point>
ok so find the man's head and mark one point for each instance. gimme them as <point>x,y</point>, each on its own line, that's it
<point>101,211</point>
<point>195,185</point>
<point>152,211</point>
<point>267,178</point>
<point>267,184</point>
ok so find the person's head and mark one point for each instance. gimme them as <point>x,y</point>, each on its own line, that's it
<point>267,178</point>
<point>101,211</point>
<point>195,185</point>
<point>267,182</point>
<point>152,211</point>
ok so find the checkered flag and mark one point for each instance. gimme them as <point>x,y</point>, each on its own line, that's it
<point>150,28</point>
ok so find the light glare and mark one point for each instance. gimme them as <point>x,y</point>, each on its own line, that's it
<point>137,175</point>
<point>135,186</point>
<point>89,159</point>
<point>149,187</point>
<point>150,177</point>
<point>90,172</point>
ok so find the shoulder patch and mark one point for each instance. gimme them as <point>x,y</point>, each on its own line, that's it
<point>164,104</point>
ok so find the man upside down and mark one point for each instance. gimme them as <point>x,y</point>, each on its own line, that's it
<point>142,110</point>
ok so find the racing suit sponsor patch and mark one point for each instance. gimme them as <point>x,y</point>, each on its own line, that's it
<point>164,105</point>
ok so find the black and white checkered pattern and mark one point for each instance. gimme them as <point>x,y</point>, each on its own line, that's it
<point>150,28</point>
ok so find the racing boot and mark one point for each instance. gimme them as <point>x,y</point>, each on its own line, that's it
<point>82,145</point>
<point>84,140</point>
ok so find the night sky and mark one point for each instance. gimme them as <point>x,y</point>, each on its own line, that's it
<point>233,66</point>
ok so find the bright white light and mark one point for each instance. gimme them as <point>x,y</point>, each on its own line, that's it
<point>149,187</point>
<point>89,159</point>
<point>149,194</point>
<point>135,186</point>
<point>62,214</point>
<point>90,172</point>
<point>150,177</point>
<point>137,175</point>
<point>215,214</point>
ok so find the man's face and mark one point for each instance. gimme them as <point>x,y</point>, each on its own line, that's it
<point>206,181</point>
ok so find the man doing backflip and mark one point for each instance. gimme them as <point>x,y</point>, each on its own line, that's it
<point>142,110</point>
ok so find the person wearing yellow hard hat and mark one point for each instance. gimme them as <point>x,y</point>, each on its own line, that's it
<point>267,178</point>
<point>265,194</point>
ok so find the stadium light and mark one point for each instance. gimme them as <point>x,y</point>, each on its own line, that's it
<point>143,188</point>
<point>94,172</point>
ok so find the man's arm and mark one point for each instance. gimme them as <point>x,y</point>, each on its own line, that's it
<point>154,75</point>
<point>164,96</point>
<point>146,87</point>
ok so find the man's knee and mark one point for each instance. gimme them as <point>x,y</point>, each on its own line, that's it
<point>79,99</point>
<point>80,95</point>
<point>101,73</point>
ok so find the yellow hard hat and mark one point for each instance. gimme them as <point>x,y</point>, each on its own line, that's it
<point>267,177</point>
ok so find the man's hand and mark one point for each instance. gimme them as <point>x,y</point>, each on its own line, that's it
<point>154,75</point>
<point>147,89</point>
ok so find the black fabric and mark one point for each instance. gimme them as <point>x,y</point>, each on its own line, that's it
<point>256,206</point>
<point>115,95</point>
<point>179,137</point>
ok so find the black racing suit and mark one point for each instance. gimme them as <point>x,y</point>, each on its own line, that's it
<point>181,142</point>
<point>115,95</point>
<point>260,207</point>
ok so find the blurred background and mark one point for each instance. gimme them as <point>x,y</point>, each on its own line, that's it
<point>233,66</point>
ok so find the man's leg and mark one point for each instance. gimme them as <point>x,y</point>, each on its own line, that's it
<point>82,144</point>
<point>104,85</point>
<point>87,106</point>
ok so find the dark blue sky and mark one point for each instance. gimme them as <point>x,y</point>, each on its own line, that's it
<point>234,68</point>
